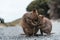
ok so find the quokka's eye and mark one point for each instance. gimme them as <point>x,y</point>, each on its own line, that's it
<point>35,19</point>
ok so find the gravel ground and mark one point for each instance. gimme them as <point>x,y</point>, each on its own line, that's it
<point>14,33</point>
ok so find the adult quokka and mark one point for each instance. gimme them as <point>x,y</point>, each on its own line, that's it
<point>45,25</point>
<point>30,22</point>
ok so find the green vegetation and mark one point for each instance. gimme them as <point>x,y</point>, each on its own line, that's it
<point>40,5</point>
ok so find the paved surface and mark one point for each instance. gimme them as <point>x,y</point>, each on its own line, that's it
<point>13,33</point>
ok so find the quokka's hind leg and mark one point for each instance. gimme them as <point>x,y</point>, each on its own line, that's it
<point>48,32</point>
<point>25,32</point>
<point>28,34</point>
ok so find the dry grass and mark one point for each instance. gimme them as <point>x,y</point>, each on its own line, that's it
<point>13,23</point>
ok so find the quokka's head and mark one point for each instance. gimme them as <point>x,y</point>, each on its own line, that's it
<point>34,14</point>
<point>40,18</point>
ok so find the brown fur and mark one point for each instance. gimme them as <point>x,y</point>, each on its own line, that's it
<point>45,25</point>
<point>29,23</point>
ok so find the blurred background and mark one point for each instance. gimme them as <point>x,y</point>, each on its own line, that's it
<point>11,12</point>
<point>13,9</point>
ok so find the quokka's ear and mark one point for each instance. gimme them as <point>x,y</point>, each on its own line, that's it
<point>41,16</point>
<point>35,11</point>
